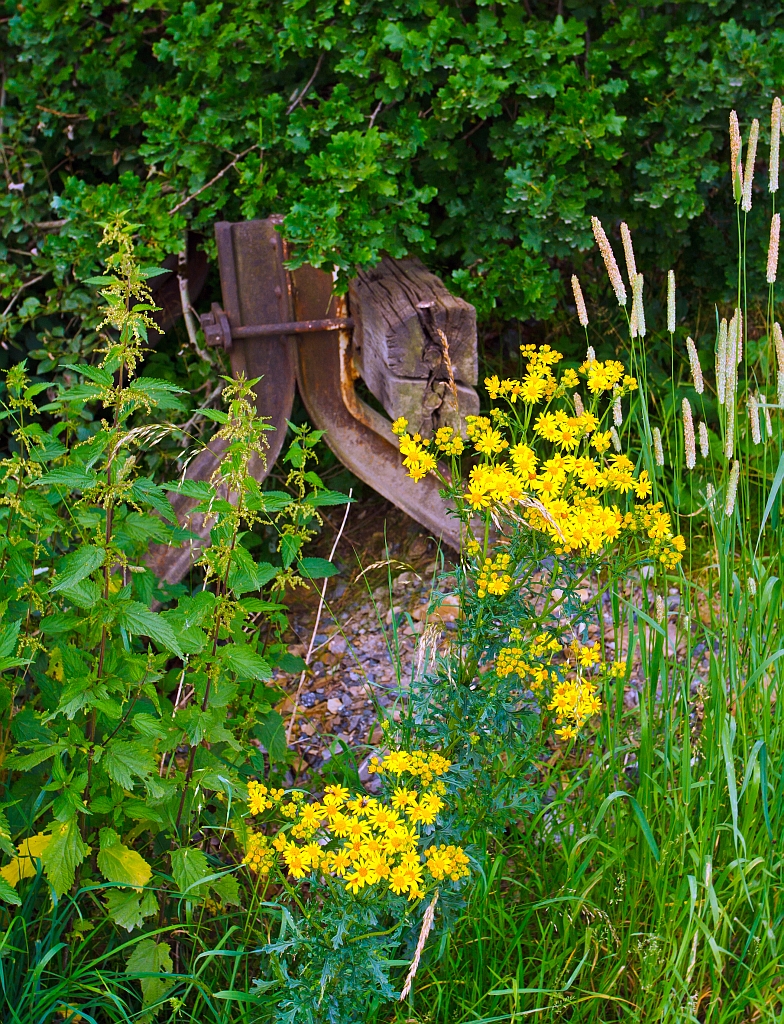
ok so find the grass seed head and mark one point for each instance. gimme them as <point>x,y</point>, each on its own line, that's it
<point>688,435</point>
<point>702,431</point>
<point>628,251</point>
<point>754,419</point>
<point>658,450</point>
<point>732,489</point>
<point>775,143</point>
<point>735,164</point>
<point>773,248</point>
<point>751,156</point>
<point>721,361</point>
<point>609,261</point>
<point>579,301</point>
<point>671,302</point>
<point>638,310</point>
<point>696,369</point>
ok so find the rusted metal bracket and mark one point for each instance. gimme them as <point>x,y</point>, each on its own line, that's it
<point>218,332</point>
<point>257,326</point>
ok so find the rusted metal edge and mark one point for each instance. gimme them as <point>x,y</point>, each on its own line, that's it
<point>360,437</point>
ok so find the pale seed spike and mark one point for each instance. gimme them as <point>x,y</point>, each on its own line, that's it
<point>739,343</point>
<point>773,248</point>
<point>778,341</point>
<point>729,437</point>
<point>775,142</point>
<point>658,450</point>
<point>735,166</point>
<point>617,412</point>
<point>579,408</point>
<point>616,441</point>
<point>609,261</point>
<point>702,431</point>
<point>780,388</point>
<point>766,410</point>
<point>638,286</point>
<point>696,369</point>
<point>754,419</point>
<point>590,355</point>
<point>721,362</point>
<point>732,488</point>
<point>688,435</point>
<point>671,302</point>
<point>628,251</point>
<point>751,156</point>
<point>579,301</point>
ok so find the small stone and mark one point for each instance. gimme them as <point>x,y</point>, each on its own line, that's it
<point>337,644</point>
<point>308,700</point>
<point>334,705</point>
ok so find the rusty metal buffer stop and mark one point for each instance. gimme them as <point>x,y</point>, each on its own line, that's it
<point>402,333</point>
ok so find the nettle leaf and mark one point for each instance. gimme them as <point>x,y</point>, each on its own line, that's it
<point>227,889</point>
<point>319,498</point>
<point>123,760</point>
<point>77,566</point>
<point>119,864</point>
<point>145,490</point>
<point>141,621</point>
<point>75,478</point>
<point>9,634</point>
<point>150,958</point>
<point>63,854</point>
<point>272,735</point>
<point>246,575</point>
<point>243,660</point>
<point>128,908</point>
<point>199,489</point>
<point>316,568</point>
<point>189,867</point>
<point>47,448</point>
<point>85,594</point>
<point>9,894</point>
<point>274,501</point>
<point>93,373</point>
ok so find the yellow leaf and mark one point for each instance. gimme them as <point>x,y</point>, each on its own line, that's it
<point>24,865</point>
<point>117,863</point>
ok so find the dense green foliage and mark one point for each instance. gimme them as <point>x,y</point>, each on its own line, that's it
<point>479,135</point>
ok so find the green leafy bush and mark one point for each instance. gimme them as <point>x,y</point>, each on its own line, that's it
<point>482,136</point>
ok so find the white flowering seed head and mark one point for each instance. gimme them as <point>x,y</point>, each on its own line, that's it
<point>628,251</point>
<point>735,164</point>
<point>773,248</point>
<point>696,369</point>
<point>688,435</point>
<point>778,341</point>
<point>671,302</point>
<point>609,261</point>
<point>732,489</point>
<point>579,301</point>
<point>702,431</point>
<point>637,305</point>
<point>775,142</point>
<point>658,450</point>
<point>754,419</point>
<point>590,355</point>
<point>616,441</point>
<point>721,362</point>
<point>579,408</point>
<point>751,156</point>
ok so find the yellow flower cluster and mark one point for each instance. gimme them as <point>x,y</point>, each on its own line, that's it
<point>575,699</point>
<point>526,662</point>
<point>446,862</point>
<point>425,765</point>
<point>360,839</point>
<point>259,854</point>
<point>261,798</point>
<point>493,577</point>
<point>571,492</point>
